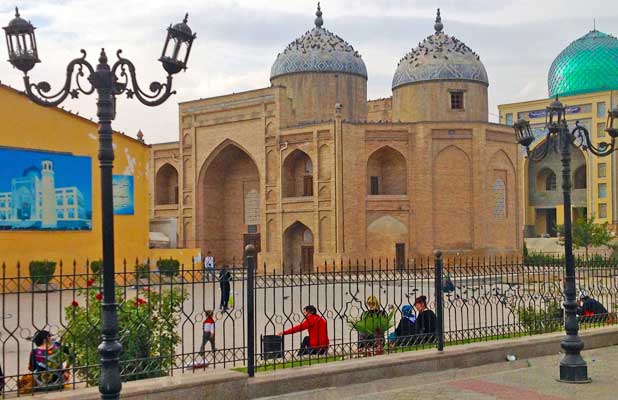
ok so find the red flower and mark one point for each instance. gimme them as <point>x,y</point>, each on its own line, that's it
<point>140,301</point>
<point>90,282</point>
<point>74,304</point>
<point>99,296</point>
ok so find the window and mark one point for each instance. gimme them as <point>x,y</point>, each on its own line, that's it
<point>509,119</point>
<point>375,185</point>
<point>602,210</point>
<point>70,201</point>
<point>602,170</point>
<point>308,185</point>
<point>60,214</point>
<point>59,201</point>
<point>550,182</point>
<point>457,100</point>
<point>71,213</point>
<point>601,129</point>
<point>579,178</point>
<point>601,109</point>
<point>602,190</point>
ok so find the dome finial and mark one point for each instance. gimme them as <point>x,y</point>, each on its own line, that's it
<point>438,25</point>
<point>319,21</point>
<point>16,12</point>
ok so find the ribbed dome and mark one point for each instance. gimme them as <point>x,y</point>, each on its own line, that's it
<point>440,57</point>
<point>319,50</point>
<point>588,64</point>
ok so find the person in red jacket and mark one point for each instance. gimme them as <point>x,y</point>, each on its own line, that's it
<point>317,341</point>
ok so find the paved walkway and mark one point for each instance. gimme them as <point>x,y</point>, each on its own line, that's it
<point>533,379</point>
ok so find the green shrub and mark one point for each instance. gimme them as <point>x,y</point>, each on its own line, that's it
<point>42,272</point>
<point>96,266</point>
<point>168,267</point>
<point>542,321</point>
<point>537,258</point>
<point>148,332</point>
<point>142,271</point>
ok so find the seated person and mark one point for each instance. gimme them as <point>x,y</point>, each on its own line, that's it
<point>317,342</point>
<point>425,321</point>
<point>46,363</point>
<point>404,333</point>
<point>591,310</point>
<point>373,310</point>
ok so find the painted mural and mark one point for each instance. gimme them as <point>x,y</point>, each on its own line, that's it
<point>42,190</point>
<point>123,195</point>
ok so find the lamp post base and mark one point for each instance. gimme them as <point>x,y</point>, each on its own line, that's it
<point>574,373</point>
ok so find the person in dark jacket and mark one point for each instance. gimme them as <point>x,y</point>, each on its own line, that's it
<point>425,321</point>
<point>225,277</point>
<point>404,333</point>
<point>591,310</point>
<point>317,342</point>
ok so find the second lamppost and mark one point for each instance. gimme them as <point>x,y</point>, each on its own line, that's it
<point>573,368</point>
<point>108,81</point>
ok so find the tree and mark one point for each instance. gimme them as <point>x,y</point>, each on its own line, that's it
<point>588,234</point>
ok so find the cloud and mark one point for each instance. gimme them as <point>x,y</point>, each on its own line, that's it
<point>238,41</point>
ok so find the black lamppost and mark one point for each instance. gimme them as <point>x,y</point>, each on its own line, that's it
<point>573,368</point>
<point>108,83</point>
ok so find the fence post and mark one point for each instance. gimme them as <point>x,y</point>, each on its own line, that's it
<point>250,262</point>
<point>439,299</point>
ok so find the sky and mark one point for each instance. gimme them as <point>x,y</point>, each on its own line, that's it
<point>238,40</point>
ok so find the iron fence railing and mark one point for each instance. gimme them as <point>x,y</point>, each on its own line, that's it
<point>365,308</point>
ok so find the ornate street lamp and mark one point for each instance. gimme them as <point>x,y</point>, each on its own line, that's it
<point>573,368</point>
<point>108,82</point>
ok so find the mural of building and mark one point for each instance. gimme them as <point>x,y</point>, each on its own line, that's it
<point>35,203</point>
<point>310,171</point>
<point>585,76</point>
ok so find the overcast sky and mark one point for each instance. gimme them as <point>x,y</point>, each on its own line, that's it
<point>238,41</point>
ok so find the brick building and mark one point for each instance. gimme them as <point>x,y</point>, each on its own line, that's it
<point>311,171</point>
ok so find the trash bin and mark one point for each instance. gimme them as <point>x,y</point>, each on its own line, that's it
<point>272,347</point>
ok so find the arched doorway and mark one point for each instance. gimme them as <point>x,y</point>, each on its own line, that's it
<point>386,172</point>
<point>297,175</point>
<point>228,211</point>
<point>298,249</point>
<point>579,177</point>
<point>166,185</point>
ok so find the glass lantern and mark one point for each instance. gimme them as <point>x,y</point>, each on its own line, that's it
<point>177,47</point>
<point>21,43</point>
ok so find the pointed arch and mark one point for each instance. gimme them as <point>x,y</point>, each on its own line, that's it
<point>227,201</point>
<point>166,185</point>
<point>387,172</point>
<point>298,248</point>
<point>297,175</point>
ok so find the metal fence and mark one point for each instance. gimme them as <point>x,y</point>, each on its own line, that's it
<point>367,307</point>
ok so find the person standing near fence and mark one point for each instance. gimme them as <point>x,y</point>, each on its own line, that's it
<point>317,342</point>
<point>225,277</point>
<point>209,267</point>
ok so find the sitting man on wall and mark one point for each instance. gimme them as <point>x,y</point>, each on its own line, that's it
<point>425,321</point>
<point>317,342</point>
<point>591,310</point>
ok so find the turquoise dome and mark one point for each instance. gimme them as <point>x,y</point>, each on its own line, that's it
<point>588,64</point>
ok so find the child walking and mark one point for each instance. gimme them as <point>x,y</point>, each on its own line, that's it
<point>208,334</point>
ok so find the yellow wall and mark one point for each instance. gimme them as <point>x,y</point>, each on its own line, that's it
<point>610,98</point>
<point>29,126</point>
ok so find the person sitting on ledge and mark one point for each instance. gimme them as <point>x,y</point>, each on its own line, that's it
<point>591,310</point>
<point>317,342</point>
<point>425,321</point>
<point>404,333</point>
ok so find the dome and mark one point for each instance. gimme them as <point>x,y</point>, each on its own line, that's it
<point>588,64</point>
<point>319,50</point>
<point>440,57</point>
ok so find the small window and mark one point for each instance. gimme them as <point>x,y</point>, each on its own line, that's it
<point>308,185</point>
<point>602,210</point>
<point>602,170</point>
<point>601,129</point>
<point>601,109</point>
<point>550,182</point>
<point>457,100</point>
<point>375,185</point>
<point>602,190</point>
<point>509,119</point>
